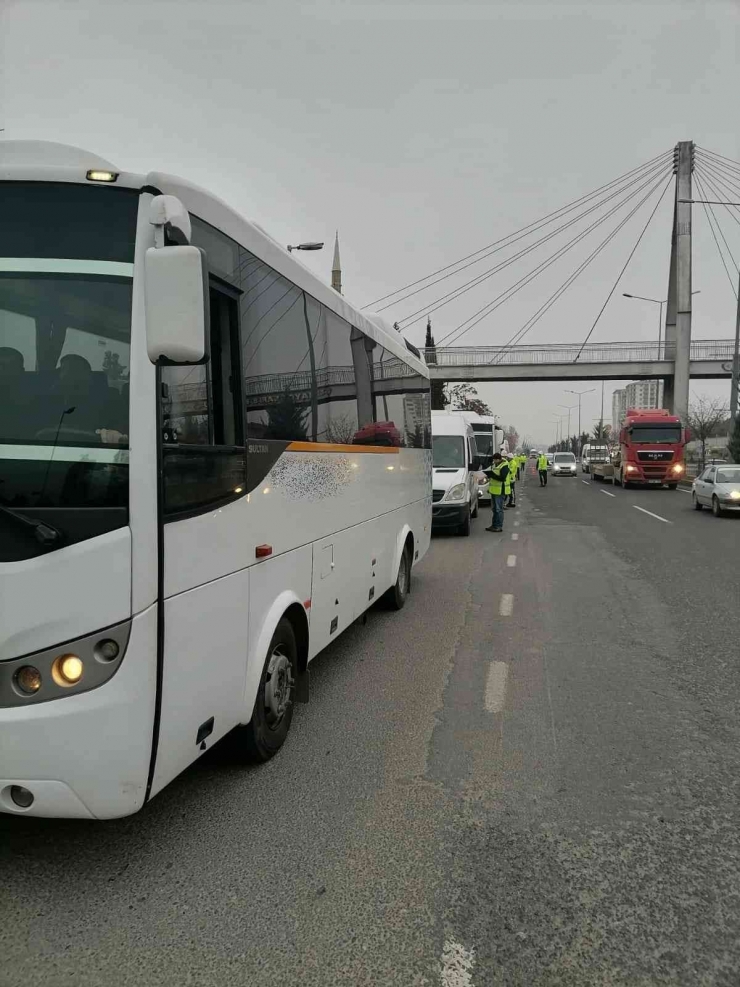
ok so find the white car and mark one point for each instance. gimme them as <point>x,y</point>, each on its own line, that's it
<point>563,464</point>
<point>717,487</point>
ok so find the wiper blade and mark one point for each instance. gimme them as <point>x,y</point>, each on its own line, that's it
<point>45,534</point>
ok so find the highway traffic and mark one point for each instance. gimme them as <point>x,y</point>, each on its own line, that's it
<point>530,778</point>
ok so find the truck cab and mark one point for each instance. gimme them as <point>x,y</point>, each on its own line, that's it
<point>651,449</point>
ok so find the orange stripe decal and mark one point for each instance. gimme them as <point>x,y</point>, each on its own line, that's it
<point>339,447</point>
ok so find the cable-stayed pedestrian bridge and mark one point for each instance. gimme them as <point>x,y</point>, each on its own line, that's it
<point>710,358</point>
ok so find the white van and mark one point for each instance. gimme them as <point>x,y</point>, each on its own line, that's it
<point>593,453</point>
<point>454,472</point>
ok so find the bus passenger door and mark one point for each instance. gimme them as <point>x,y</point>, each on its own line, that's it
<point>203,650</point>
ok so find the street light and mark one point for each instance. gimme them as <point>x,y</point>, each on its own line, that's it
<point>304,246</point>
<point>657,301</point>
<point>580,395</point>
<point>569,408</point>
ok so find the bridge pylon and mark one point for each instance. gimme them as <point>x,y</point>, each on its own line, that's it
<point>678,308</point>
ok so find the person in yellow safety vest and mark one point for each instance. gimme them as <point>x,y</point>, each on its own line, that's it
<point>522,463</point>
<point>542,468</point>
<point>496,487</point>
<point>510,484</point>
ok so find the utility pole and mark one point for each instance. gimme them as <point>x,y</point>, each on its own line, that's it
<point>678,310</point>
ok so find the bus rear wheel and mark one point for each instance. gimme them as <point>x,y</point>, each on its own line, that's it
<point>395,598</point>
<point>265,734</point>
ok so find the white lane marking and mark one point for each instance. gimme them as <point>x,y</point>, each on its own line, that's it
<point>684,490</point>
<point>506,606</point>
<point>587,482</point>
<point>457,965</point>
<point>496,686</point>
<point>656,516</point>
<point>608,494</point>
<point>511,561</point>
<point>515,537</point>
<point>516,524</point>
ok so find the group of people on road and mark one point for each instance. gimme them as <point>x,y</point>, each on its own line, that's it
<point>503,474</point>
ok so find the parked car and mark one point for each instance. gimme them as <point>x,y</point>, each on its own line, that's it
<point>564,464</point>
<point>718,487</point>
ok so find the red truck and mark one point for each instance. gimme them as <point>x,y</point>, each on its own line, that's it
<point>650,451</point>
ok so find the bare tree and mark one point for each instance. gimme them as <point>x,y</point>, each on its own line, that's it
<point>341,430</point>
<point>705,417</point>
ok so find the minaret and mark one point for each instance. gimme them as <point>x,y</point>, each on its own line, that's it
<point>336,267</point>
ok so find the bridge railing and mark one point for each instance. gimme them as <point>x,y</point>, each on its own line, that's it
<point>559,353</point>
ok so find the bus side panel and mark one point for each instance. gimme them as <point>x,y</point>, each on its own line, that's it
<point>205,663</point>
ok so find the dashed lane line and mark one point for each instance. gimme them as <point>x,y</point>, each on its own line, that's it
<point>498,672</point>
<point>516,524</point>
<point>587,482</point>
<point>608,494</point>
<point>506,606</point>
<point>656,516</point>
<point>515,537</point>
<point>511,561</point>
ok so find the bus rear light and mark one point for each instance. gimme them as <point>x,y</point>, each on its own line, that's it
<point>67,670</point>
<point>28,680</point>
<point>262,551</point>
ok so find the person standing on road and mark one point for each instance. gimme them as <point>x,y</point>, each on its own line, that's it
<point>542,468</point>
<point>497,473</point>
<point>510,485</point>
<point>522,464</point>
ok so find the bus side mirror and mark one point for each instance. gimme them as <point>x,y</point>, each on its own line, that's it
<point>176,304</point>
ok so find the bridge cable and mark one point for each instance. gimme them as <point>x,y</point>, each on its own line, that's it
<point>478,278</point>
<point>716,241</point>
<point>526,279</point>
<point>626,264</point>
<point>533,320</point>
<point>719,168</point>
<point>443,300</point>
<point>509,237</point>
<point>716,154</point>
<point>704,180</point>
<point>721,188</point>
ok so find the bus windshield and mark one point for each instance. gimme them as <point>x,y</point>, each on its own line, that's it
<point>66,266</point>
<point>448,451</point>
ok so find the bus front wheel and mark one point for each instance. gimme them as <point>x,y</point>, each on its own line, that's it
<point>265,734</point>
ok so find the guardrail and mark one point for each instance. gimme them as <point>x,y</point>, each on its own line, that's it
<point>559,353</point>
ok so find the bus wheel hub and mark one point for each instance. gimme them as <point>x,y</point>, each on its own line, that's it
<point>278,685</point>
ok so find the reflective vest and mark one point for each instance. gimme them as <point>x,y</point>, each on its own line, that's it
<point>509,477</point>
<point>542,463</point>
<point>496,484</point>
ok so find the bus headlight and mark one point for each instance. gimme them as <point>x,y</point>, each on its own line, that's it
<point>456,493</point>
<point>67,670</point>
<point>59,672</point>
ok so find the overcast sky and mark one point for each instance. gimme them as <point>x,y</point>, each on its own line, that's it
<point>422,131</point>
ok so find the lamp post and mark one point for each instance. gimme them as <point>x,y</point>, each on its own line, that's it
<point>580,395</point>
<point>661,303</point>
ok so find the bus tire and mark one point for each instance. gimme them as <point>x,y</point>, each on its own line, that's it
<point>395,598</point>
<point>465,526</point>
<point>265,734</point>
<point>475,510</point>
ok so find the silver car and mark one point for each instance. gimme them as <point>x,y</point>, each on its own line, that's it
<point>564,464</point>
<point>717,487</point>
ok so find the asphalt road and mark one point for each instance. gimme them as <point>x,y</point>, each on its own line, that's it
<point>528,777</point>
